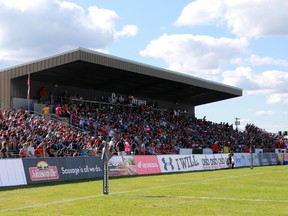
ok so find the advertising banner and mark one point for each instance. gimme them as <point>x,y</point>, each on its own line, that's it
<point>283,158</point>
<point>147,164</point>
<point>285,161</point>
<point>122,166</point>
<point>62,169</point>
<point>84,167</point>
<point>255,159</point>
<point>179,163</point>
<point>12,172</point>
<point>214,161</point>
<point>266,159</point>
<point>241,160</point>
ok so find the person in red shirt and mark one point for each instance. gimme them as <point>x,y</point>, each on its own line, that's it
<point>23,150</point>
<point>171,149</point>
<point>58,110</point>
<point>246,149</point>
<point>158,149</point>
<point>214,148</point>
<point>42,95</point>
<point>142,149</point>
<point>40,150</point>
<point>282,144</point>
<point>142,108</point>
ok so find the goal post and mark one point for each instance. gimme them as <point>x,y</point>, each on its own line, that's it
<point>106,155</point>
<point>105,178</point>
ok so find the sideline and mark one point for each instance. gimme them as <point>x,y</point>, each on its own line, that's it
<point>156,187</point>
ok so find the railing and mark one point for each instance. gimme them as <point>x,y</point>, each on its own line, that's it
<point>62,120</point>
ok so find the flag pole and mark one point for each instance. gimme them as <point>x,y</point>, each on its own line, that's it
<point>28,92</point>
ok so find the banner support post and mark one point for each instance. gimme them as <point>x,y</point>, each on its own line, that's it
<point>251,155</point>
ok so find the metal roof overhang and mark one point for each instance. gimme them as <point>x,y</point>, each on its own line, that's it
<point>94,70</point>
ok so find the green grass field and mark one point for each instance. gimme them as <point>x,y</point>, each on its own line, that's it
<point>260,191</point>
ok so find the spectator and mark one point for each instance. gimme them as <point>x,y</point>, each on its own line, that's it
<point>127,147</point>
<point>111,145</point>
<point>120,146</point>
<point>23,151</point>
<point>136,150</point>
<point>4,150</point>
<point>46,110</point>
<point>40,150</point>
<point>178,130</point>
<point>58,110</point>
<point>42,95</point>
<point>230,160</point>
<point>151,149</point>
<point>30,150</point>
<point>215,148</point>
<point>143,149</point>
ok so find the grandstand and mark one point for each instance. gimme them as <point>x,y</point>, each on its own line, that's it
<point>99,94</point>
<point>83,76</point>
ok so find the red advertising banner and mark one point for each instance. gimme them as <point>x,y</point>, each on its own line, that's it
<point>147,165</point>
<point>42,172</point>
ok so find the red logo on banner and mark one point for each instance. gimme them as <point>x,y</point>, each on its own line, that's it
<point>147,164</point>
<point>43,172</point>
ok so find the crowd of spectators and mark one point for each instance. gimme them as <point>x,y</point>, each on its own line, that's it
<point>141,129</point>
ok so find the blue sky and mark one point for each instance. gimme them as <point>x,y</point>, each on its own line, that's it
<point>242,43</point>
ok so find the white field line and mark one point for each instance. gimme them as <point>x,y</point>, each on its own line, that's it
<point>205,198</point>
<point>151,188</point>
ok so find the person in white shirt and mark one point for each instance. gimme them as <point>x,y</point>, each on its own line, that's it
<point>111,145</point>
<point>30,150</point>
<point>230,160</point>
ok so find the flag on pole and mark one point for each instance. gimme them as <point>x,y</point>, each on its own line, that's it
<point>28,84</point>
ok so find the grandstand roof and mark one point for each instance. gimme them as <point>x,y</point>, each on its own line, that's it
<point>94,70</point>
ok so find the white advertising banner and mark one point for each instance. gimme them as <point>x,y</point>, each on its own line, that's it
<point>214,161</point>
<point>184,163</point>
<point>12,172</point>
<point>241,160</point>
<point>179,163</point>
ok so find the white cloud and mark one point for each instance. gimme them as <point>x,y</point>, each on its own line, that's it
<point>278,98</point>
<point>271,83</point>
<point>198,12</point>
<point>241,76</point>
<point>99,18</point>
<point>34,28</point>
<point>246,78</point>
<point>128,30</point>
<point>195,54</point>
<point>262,112</point>
<point>251,18</point>
<point>257,60</point>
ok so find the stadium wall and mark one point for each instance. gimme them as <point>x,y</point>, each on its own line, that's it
<point>15,172</point>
